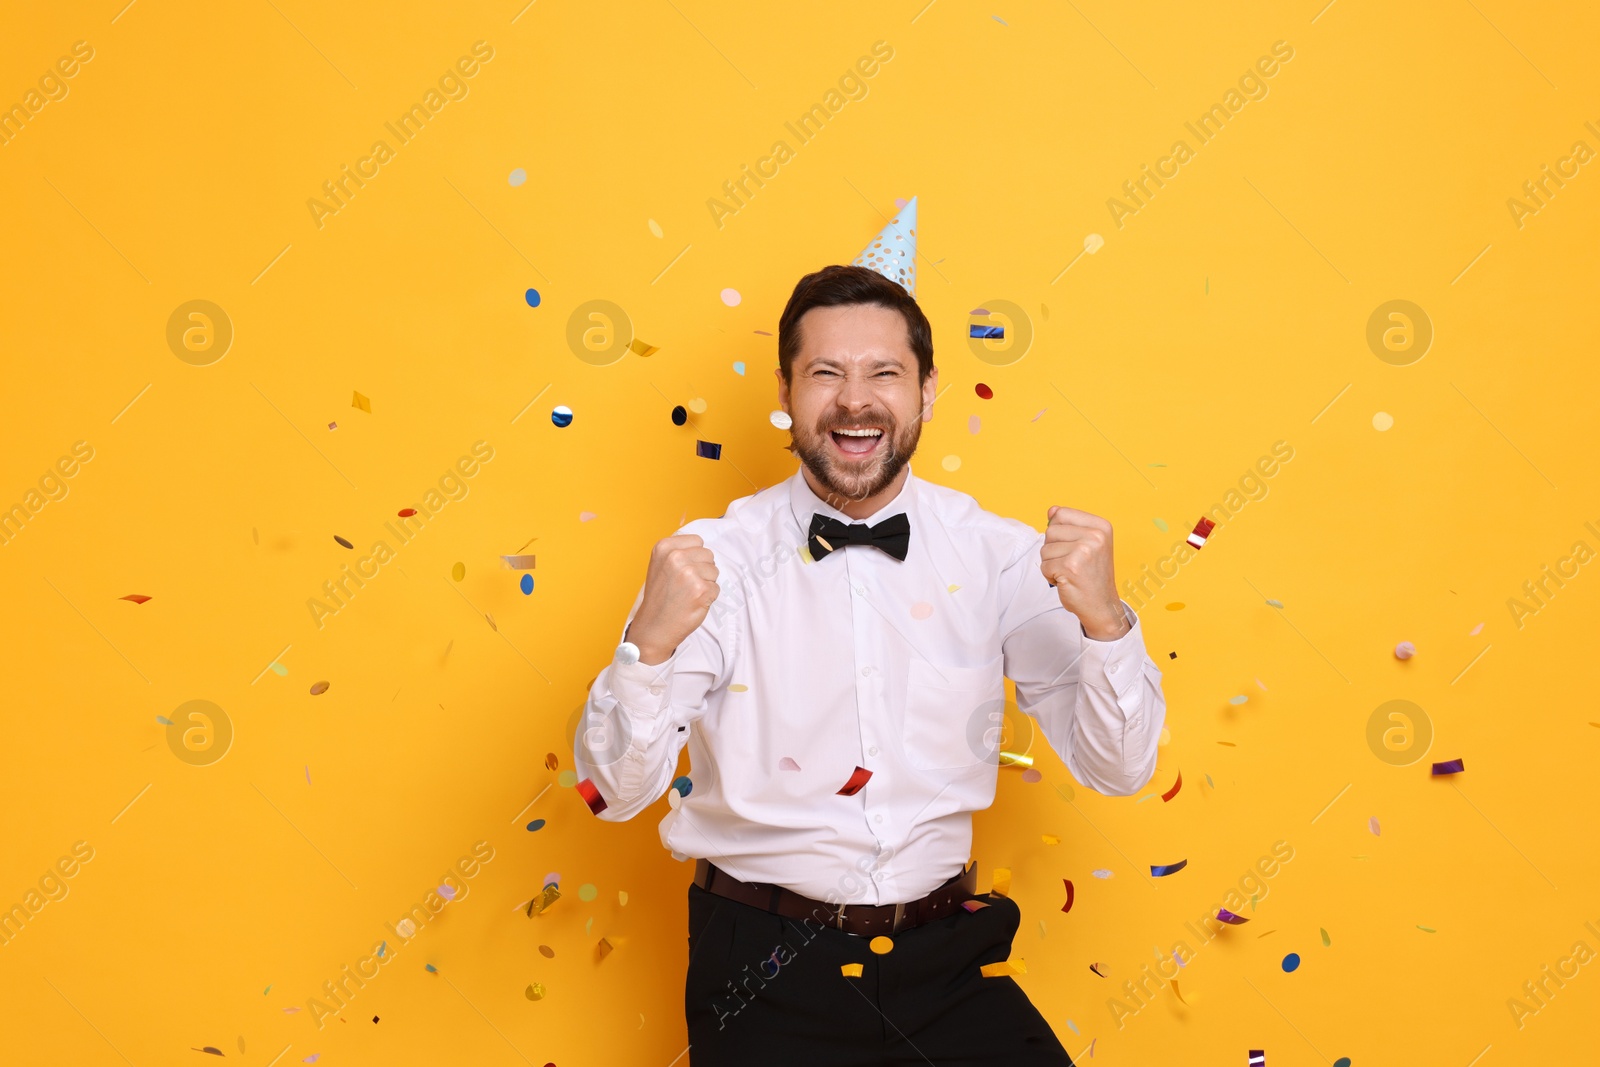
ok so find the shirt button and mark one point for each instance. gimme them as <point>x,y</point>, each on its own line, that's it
<point>1134,721</point>
<point>873,751</point>
<point>861,590</point>
<point>877,818</point>
<point>655,689</point>
<point>1112,669</point>
<point>866,672</point>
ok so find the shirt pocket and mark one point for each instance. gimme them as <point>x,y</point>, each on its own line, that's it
<point>953,715</point>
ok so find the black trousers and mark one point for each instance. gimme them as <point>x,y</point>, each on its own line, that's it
<point>766,990</point>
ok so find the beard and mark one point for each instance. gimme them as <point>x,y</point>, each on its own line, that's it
<point>857,480</point>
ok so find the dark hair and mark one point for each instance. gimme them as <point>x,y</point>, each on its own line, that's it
<point>839,285</point>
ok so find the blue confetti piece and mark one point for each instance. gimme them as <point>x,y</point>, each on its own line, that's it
<point>382,949</point>
<point>997,333</point>
<point>532,297</point>
<point>431,968</point>
<point>1072,1026</point>
<point>1000,20</point>
<point>738,368</point>
<point>527,584</point>
<point>561,415</point>
<point>163,720</point>
<point>708,450</point>
<point>1291,961</point>
<point>537,824</point>
<point>1161,870</point>
<point>682,785</point>
<point>1450,766</point>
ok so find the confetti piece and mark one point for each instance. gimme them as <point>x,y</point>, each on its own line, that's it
<point>680,415</point>
<point>519,563</point>
<point>1093,243</point>
<point>763,333</point>
<point>1275,603</point>
<point>850,970</point>
<point>1261,684</point>
<point>1002,882</point>
<point>1172,655</point>
<point>532,297</point>
<point>1161,524</point>
<point>1000,20</point>
<point>1404,650</point>
<point>708,450</point>
<point>1382,421</point>
<point>430,968</point>
<point>996,970</point>
<point>642,349</point>
<point>591,796</point>
<point>163,720</point>
<point>383,947</point>
<point>1068,905</point>
<point>1474,631</point>
<point>585,516</point>
<point>683,785</point>
<point>308,774</point>
<point>1451,766</point>
<point>537,824</point>
<point>318,688</point>
<point>1291,962</point>
<point>526,585</point>
<point>137,598</point>
<point>1041,412</point>
<point>561,415</point>
<point>788,764</point>
<point>951,463</point>
<point>315,1056</point>
<point>1072,1026</point>
<point>1426,929</point>
<point>1202,530</point>
<point>1178,992</point>
<point>858,778</point>
<point>1240,699</point>
<point>547,896</point>
<point>446,891</point>
<point>517,177</point>
<point>1372,824</point>
<point>552,878</point>
<point>881,945</point>
<point>997,333</point>
<point>1229,744</point>
<point>1095,967</point>
<point>333,425</point>
<point>1169,794</point>
<point>286,1011</point>
<point>731,297</point>
<point>459,571</point>
<point>974,424</point>
<point>738,367</point>
<point>974,905</point>
<point>655,227</point>
<point>983,391</point>
<point>1161,870</point>
<point>535,991</point>
<point>1230,918</point>
<point>492,624</point>
<point>568,779</point>
<point>588,891</point>
<point>1258,1058</point>
<point>255,534</point>
<point>342,541</point>
<point>1326,941</point>
<point>1031,775</point>
<point>780,419</point>
<point>603,948</point>
<point>1050,839</point>
<point>359,401</point>
<point>1342,1061</point>
<point>208,1048</point>
<point>1176,605</point>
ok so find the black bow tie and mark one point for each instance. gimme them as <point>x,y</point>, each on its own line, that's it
<point>893,535</point>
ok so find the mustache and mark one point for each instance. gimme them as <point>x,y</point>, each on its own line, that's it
<point>877,422</point>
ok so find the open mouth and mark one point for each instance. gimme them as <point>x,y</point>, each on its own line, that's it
<point>857,443</point>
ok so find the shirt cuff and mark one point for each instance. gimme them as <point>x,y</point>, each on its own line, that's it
<point>644,689</point>
<point>1114,665</point>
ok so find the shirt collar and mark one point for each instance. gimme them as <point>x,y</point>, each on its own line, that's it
<point>803,502</point>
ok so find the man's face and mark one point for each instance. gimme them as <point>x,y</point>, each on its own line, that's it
<point>855,370</point>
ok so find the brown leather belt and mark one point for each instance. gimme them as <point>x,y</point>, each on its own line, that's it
<point>863,920</point>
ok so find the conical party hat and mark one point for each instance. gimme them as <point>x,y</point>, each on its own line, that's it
<point>893,253</point>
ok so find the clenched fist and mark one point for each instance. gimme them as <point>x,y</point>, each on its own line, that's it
<point>1076,557</point>
<point>679,589</point>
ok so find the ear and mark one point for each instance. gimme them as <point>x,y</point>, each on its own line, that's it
<point>783,389</point>
<point>930,390</point>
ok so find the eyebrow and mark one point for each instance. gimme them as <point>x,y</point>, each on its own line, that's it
<point>824,361</point>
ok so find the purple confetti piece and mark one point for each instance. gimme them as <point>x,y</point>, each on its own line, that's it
<point>1449,766</point>
<point>1230,918</point>
<point>708,450</point>
<point>1372,824</point>
<point>997,333</point>
<point>1161,870</point>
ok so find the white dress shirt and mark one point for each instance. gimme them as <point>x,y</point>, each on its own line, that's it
<point>806,669</point>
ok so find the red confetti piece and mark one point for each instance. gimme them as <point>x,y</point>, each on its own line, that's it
<point>1095,967</point>
<point>591,796</point>
<point>1202,530</point>
<point>1068,905</point>
<point>858,778</point>
<point>406,513</point>
<point>974,905</point>
<point>137,598</point>
<point>984,392</point>
<point>1169,794</point>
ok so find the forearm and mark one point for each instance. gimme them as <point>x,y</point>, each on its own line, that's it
<point>627,741</point>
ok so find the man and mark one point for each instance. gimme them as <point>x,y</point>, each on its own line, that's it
<point>832,650</point>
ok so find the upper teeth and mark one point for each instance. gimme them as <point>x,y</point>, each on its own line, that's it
<point>861,433</point>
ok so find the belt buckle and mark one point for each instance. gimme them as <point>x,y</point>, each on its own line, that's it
<point>838,920</point>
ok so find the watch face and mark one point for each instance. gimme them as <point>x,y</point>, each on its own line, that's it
<point>627,653</point>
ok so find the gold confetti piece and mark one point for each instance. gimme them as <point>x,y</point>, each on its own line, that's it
<point>952,588</point>
<point>805,554</point>
<point>552,761</point>
<point>603,949</point>
<point>823,541</point>
<point>881,944</point>
<point>642,349</point>
<point>319,688</point>
<point>361,402</point>
<point>534,991</point>
<point>850,970</point>
<point>1003,969</point>
<point>1230,744</point>
<point>698,405</point>
<point>459,571</point>
<point>492,624</point>
<point>1051,839</point>
<point>655,228</point>
<point>547,952</point>
<point>1178,991</point>
<point>738,687</point>
<point>622,897</point>
<point>1015,759</point>
<point>1002,882</point>
<point>519,563</point>
<point>548,896</point>
<point>1176,605</point>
